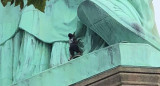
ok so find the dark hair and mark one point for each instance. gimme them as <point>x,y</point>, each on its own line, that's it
<point>70,35</point>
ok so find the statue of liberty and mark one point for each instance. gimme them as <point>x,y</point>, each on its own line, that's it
<point>32,41</point>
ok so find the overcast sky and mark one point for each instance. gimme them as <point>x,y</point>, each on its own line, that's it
<point>156,4</point>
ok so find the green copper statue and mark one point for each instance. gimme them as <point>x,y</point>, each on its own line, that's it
<point>32,41</point>
<point>118,21</point>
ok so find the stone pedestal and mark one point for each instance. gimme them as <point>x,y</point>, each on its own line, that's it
<point>124,76</point>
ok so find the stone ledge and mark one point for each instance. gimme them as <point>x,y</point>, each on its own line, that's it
<point>125,54</point>
<point>124,76</point>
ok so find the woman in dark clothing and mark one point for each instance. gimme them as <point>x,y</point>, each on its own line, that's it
<point>73,46</point>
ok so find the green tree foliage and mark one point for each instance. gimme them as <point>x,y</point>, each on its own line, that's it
<point>39,4</point>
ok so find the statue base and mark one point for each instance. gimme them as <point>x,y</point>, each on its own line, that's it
<point>131,63</point>
<point>124,76</point>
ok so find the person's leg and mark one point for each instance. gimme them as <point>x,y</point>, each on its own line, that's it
<point>71,50</point>
<point>77,50</point>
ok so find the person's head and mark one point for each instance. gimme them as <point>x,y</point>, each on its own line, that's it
<point>70,35</point>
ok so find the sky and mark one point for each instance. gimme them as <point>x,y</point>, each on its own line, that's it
<point>156,4</point>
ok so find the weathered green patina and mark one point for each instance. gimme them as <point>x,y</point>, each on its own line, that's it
<point>96,62</point>
<point>32,41</point>
<point>117,21</point>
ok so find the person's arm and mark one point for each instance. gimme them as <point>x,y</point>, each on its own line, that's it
<point>74,35</point>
